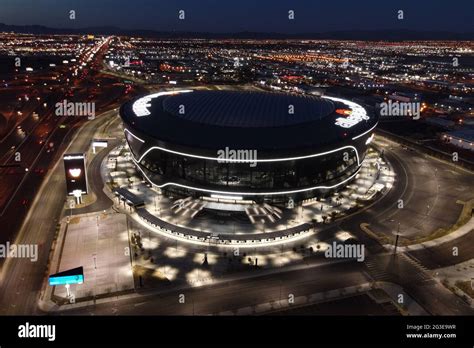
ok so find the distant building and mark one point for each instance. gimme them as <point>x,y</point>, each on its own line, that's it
<point>451,105</point>
<point>405,97</point>
<point>461,138</point>
<point>440,122</point>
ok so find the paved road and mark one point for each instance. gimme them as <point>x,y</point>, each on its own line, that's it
<point>237,294</point>
<point>421,182</point>
<point>417,282</point>
<point>442,255</point>
<point>21,279</point>
<point>44,142</point>
<point>96,183</point>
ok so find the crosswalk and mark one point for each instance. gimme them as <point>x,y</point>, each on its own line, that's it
<point>400,268</point>
<point>376,269</point>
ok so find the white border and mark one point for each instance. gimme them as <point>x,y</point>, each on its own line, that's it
<point>238,160</point>
<point>140,106</point>
<point>133,135</point>
<point>360,135</point>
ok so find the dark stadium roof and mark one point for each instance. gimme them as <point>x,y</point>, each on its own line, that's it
<point>247,109</point>
<point>240,120</point>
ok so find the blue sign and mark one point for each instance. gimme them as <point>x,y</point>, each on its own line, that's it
<point>72,276</point>
<point>77,279</point>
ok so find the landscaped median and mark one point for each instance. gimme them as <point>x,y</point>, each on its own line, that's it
<point>463,289</point>
<point>463,219</point>
<point>463,225</point>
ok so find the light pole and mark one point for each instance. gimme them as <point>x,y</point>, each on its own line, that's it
<point>396,239</point>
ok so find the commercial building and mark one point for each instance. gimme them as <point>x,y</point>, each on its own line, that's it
<point>262,146</point>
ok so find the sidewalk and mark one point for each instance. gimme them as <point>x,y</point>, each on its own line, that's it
<point>394,291</point>
<point>299,300</point>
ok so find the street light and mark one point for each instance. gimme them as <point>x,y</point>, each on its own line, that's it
<point>396,239</point>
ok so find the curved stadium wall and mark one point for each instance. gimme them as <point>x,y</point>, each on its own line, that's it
<point>306,156</point>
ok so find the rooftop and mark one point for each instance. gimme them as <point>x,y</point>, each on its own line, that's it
<point>247,109</point>
<point>212,120</point>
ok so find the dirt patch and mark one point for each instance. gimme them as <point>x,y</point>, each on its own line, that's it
<point>466,287</point>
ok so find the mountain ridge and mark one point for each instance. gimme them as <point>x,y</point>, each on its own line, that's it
<point>376,35</point>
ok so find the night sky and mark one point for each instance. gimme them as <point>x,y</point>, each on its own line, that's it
<point>244,15</point>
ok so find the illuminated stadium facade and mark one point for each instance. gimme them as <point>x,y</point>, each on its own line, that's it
<point>261,146</point>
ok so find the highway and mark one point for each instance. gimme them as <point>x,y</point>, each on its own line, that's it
<point>21,279</point>
<point>36,198</point>
<point>42,138</point>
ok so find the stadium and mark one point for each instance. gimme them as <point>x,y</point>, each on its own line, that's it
<point>266,147</point>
